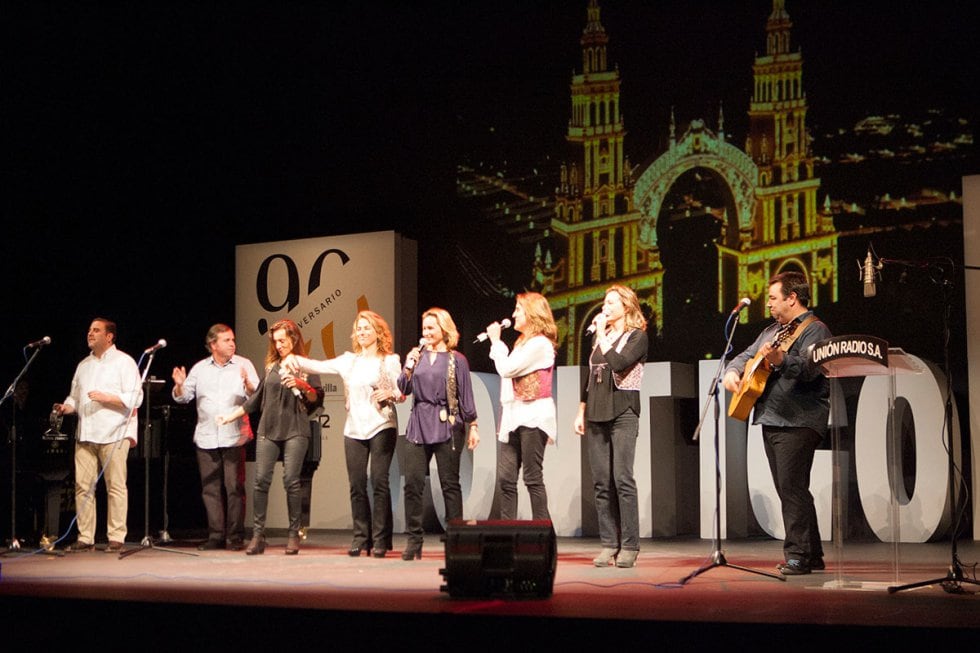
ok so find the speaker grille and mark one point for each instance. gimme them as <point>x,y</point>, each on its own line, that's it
<point>501,559</point>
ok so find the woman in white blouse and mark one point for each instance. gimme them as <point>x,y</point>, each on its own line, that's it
<point>370,375</point>
<point>527,422</point>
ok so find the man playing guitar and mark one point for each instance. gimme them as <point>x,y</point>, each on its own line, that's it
<point>792,409</point>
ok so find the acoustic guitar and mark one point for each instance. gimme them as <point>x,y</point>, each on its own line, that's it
<point>754,377</point>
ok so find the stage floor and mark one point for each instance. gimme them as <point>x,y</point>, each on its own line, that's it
<point>174,590</point>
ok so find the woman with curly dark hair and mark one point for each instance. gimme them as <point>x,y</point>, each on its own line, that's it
<point>286,402</point>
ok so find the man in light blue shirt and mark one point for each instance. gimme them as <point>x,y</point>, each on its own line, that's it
<point>220,383</point>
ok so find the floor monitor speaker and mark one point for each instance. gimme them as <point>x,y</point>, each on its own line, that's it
<point>501,559</point>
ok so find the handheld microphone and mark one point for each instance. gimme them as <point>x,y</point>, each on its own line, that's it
<point>869,276</point>
<point>161,343</point>
<point>591,328</point>
<point>742,303</point>
<point>46,340</point>
<point>504,323</point>
<point>295,389</point>
<point>409,364</point>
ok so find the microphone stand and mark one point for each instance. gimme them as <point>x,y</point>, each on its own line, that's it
<point>147,541</point>
<point>14,543</point>
<point>954,577</point>
<point>718,556</point>
<point>165,534</point>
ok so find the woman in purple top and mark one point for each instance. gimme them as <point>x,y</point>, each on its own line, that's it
<point>438,378</point>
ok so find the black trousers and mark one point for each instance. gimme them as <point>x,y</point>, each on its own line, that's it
<point>223,491</point>
<point>293,452</point>
<point>372,523</point>
<point>790,452</point>
<point>416,459</point>
<point>523,450</point>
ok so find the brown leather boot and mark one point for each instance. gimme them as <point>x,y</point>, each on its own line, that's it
<point>292,545</point>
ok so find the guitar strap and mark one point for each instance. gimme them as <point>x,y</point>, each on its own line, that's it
<point>797,332</point>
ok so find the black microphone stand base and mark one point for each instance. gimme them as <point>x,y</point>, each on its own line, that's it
<point>58,553</point>
<point>718,560</point>
<point>148,543</point>
<point>951,582</point>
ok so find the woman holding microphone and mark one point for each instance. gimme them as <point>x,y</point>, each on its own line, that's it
<point>527,421</point>
<point>609,418</point>
<point>443,419</point>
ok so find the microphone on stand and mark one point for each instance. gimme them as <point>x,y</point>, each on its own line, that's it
<point>161,343</point>
<point>742,303</point>
<point>46,340</point>
<point>409,364</point>
<point>868,275</point>
<point>504,323</point>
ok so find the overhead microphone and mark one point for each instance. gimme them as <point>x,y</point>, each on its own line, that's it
<point>868,274</point>
<point>409,364</point>
<point>504,323</point>
<point>161,343</point>
<point>46,340</point>
<point>742,303</point>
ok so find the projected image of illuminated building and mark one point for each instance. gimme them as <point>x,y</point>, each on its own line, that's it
<point>693,216</point>
<point>612,225</point>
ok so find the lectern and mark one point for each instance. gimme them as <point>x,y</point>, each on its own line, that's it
<point>862,356</point>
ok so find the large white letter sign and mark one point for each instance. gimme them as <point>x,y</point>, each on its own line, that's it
<point>921,515</point>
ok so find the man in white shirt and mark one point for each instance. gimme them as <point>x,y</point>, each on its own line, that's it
<point>105,394</point>
<point>220,383</point>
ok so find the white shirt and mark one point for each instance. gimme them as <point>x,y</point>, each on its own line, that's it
<point>535,353</point>
<point>219,389</point>
<point>114,373</point>
<point>361,375</point>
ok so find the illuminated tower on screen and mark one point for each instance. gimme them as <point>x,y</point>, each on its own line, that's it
<point>595,226</point>
<point>787,230</point>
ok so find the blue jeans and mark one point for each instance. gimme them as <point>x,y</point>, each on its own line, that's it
<point>612,447</point>
<point>524,450</point>
<point>266,454</point>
